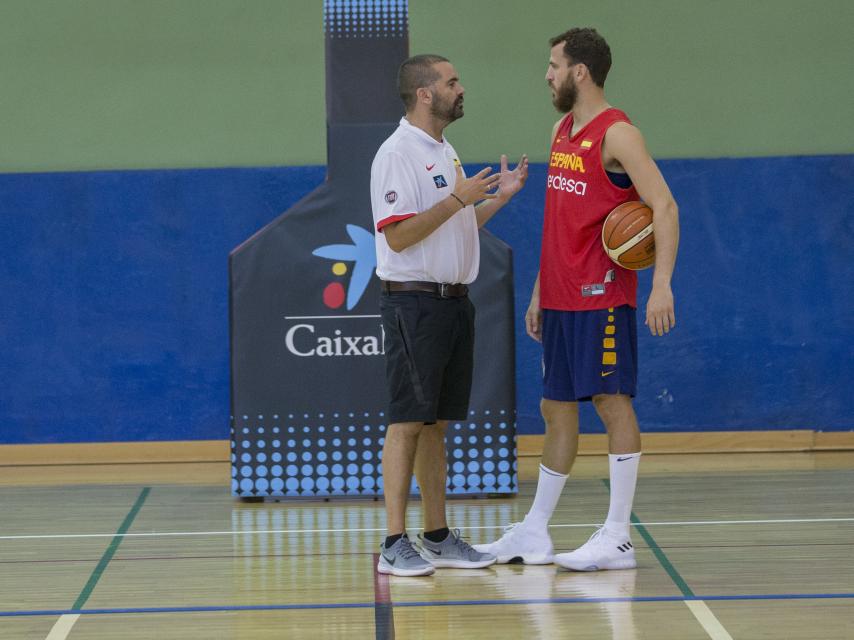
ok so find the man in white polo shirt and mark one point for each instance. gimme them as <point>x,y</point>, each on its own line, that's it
<point>427,253</point>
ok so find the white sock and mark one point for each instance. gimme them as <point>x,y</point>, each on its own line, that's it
<point>624,476</point>
<point>549,488</point>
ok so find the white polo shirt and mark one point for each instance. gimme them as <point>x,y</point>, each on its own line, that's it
<point>410,173</point>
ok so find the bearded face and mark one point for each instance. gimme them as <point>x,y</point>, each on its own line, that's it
<point>565,95</point>
<point>446,106</point>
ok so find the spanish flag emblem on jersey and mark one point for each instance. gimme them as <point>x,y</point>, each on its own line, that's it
<point>586,144</point>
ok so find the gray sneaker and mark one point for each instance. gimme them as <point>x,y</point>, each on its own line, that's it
<point>403,560</point>
<point>454,552</point>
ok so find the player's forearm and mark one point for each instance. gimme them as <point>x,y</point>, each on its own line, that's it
<point>402,235</point>
<point>535,293</point>
<point>488,208</point>
<point>665,225</point>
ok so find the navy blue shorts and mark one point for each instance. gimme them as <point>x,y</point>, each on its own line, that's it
<point>587,353</point>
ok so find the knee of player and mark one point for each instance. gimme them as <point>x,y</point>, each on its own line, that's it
<point>559,414</point>
<point>613,407</point>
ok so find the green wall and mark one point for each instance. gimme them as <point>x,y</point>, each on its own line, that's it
<point>111,84</point>
<point>92,84</point>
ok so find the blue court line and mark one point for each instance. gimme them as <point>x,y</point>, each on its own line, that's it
<point>429,603</point>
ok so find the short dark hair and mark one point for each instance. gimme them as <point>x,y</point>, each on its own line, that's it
<point>415,73</point>
<point>588,47</point>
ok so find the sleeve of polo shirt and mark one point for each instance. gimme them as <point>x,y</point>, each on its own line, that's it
<point>394,191</point>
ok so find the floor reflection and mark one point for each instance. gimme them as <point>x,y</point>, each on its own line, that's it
<point>316,553</point>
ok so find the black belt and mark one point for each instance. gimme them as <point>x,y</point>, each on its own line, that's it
<point>440,289</point>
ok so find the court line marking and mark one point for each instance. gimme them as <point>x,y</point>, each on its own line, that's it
<point>426,603</point>
<point>53,536</point>
<point>63,626</point>
<point>383,605</point>
<point>711,625</point>
<point>708,620</point>
<point>111,550</point>
<point>341,554</point>
<point>662,557</point>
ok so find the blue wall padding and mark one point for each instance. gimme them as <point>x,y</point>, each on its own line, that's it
<point>114,322</point>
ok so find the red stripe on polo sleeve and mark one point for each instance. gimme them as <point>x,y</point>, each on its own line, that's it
<point>390,219</point>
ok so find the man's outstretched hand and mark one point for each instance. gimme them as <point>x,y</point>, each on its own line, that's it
<point>511,182</point>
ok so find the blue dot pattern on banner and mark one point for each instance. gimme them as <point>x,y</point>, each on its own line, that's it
<point>365,18</point>
<point>481,455</point>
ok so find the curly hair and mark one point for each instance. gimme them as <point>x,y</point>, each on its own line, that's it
<point>585,45</point>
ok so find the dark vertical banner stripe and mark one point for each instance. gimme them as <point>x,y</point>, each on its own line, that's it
<point>383,608</point>
<point>111,550</point>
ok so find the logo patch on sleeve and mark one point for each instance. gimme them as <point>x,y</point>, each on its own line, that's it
<point>440,181</point>
<point>391,197</point>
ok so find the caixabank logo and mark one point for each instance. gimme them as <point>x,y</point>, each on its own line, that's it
<point>359,258</point>
<point>341,334</point>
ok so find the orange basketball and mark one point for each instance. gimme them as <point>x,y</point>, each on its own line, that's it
<point>627,236</point>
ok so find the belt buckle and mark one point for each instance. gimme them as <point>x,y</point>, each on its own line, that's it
<point>443,287</point>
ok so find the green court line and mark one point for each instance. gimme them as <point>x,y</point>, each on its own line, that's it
<point>110,552</point>
<point>662,558</point>
<point>659,553</point>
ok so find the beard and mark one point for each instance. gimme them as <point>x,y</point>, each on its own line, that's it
<point>565,96</point>
<point>446,110</point>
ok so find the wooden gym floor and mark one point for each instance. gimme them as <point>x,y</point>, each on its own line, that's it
<point>729,546</point>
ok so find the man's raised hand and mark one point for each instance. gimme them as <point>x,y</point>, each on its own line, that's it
<point>477,188</point>
<point>511,182</point>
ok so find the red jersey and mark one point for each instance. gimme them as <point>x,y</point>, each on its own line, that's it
<point>575,272</point>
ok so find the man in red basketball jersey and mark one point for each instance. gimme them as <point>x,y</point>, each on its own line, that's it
<point>583,306</point>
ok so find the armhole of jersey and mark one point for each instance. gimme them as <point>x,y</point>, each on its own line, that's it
<point>625,119</point>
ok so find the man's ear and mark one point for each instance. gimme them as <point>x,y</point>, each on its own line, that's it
<point>424,95</point>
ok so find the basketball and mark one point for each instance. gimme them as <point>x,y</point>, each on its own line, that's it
<point>627,236</point>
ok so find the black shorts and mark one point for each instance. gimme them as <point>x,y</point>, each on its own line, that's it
<point>429,352</point>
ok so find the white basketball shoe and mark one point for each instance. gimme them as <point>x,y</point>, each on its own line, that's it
<point>602,551</point>
<point>521,542</point>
